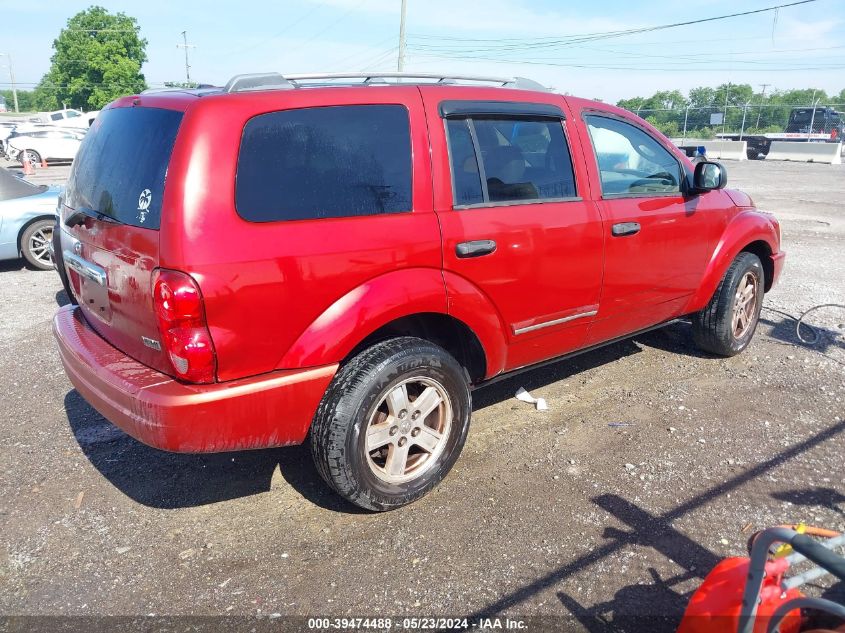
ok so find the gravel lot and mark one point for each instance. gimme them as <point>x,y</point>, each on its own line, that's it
<point>553,513</point>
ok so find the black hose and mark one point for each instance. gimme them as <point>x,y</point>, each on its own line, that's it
<point>813,330</point>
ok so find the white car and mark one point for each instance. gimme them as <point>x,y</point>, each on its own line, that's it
<point>67,118</point>
<point>45,144</point>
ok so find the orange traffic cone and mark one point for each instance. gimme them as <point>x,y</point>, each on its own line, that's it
<point>27,165</point>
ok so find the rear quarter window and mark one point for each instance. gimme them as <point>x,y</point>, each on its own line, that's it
<point>325,162</point>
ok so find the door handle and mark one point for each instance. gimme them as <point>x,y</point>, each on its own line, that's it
<point>476,248</point>
<point>625,228</point>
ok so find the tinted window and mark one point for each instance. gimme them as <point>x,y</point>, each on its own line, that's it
<point>122,163</point>
<point>523,159</point>
<point>325,163</point>
<point>56,116</point>
<point>630,161</point>
<point>465,179</point>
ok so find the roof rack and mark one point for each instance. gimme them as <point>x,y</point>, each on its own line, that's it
<point>198,90</point>
<point>277,81</point>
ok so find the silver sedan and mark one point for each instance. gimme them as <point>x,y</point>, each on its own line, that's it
<point>27,218</point>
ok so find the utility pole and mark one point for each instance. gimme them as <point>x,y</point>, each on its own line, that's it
<point>186,46</point>
<point>725,117</point>
<point>400,63</point>
<point>813,116</point>
<point>12,77</point>
<point>762,99</point>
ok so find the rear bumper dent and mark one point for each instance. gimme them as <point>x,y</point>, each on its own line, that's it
<point>274,409</point>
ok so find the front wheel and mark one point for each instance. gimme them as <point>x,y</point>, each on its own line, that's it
<point>726,326</point>
<point>392,423</point>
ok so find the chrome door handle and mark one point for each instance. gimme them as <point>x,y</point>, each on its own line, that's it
<point>476,248</point>
<point>625,228</point>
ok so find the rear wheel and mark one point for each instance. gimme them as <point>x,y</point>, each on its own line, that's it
<point>726,326</point>
<point>35,244</point>
<point>392,423</point>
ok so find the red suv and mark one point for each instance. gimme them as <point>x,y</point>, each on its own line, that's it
<point>342,259</point>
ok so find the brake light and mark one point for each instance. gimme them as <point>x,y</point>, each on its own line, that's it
<point>184,331</point>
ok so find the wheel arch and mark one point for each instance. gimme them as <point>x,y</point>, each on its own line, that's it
<point>763,251</point>
<point>444,330</point>
<point>426,302</point>
<point>29,223</point>
<point>750,231</point>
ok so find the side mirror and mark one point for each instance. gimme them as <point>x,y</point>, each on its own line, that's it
<point>709,176</point>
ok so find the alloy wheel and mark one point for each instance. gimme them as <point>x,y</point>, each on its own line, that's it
<point>745,305</point>
<point>39,245</point>
<point>408,429</point>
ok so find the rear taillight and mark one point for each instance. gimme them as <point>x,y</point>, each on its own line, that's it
<point>184,331</point>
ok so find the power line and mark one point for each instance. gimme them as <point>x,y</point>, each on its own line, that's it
<point>628,68</point>
<point>568,40</point>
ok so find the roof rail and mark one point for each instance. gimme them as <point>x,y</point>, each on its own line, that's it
<point>257,81</point>
<point>276,81</point>
<point>199,90</point>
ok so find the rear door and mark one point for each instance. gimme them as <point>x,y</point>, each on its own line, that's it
<point>110,225</point>
<point>513,217</point>
<point>658,240</point>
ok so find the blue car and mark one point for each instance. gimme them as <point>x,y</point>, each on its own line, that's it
<point>27,218</point>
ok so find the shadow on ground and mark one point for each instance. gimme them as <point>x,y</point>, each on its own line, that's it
<point>174,480</point>
<point>171,480</point>
<point>655,607</point>
<point>783,329</point>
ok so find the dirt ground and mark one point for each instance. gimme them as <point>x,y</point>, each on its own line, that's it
<point>562,513</point>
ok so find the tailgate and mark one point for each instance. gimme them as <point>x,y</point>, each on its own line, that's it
<point>110,222</point>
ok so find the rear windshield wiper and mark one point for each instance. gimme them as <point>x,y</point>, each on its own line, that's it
<point>81,213</point>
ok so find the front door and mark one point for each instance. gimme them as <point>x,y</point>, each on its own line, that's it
<point>658,240</point>
<point>514,224</point>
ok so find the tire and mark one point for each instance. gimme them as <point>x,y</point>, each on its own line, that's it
<point>364,405</point>
<point>34,158</point>
<point>720,328</point>
<point>35,243</point>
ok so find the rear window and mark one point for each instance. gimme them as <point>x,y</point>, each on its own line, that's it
<point>121,166</point>
<point>326,162</point>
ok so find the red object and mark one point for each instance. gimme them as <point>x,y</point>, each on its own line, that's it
<point>715,606</point>
<point>28,169</point>
<point>273,307</point>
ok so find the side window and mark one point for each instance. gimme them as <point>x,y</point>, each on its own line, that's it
<point>522,158</point>
<point>324,162</point>
<point>72,113</point>
<point>630,161</point>
<point>466,181</point>
<point>56,116</point>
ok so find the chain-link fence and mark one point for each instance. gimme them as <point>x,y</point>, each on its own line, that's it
<point>707,122</point>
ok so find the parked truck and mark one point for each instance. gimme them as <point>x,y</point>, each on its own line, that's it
<point>825,125</point>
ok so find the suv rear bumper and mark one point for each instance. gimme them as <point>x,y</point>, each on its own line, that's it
<point>274,409</point>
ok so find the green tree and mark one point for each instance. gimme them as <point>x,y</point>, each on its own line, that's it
<point>25,102</point>
<point>98,57</point>
<point>701,97</point>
